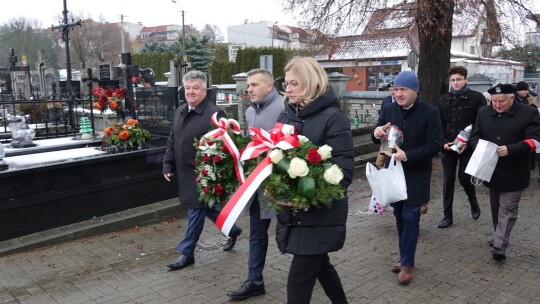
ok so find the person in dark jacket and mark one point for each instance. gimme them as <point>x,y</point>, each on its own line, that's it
<point>265,106</point>
<point>514,127</point>
<point>388,99</point>
<point>458,110</point>
<point>421,126</point>
<point>191,120</point>
<point>313,108</point>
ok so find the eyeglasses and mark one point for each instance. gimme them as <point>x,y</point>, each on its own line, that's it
<point>290,84</point>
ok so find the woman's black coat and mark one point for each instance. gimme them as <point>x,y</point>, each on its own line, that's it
<point>319,230</point>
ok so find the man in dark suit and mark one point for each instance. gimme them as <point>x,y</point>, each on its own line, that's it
<point>191,120</point>
<point>421,127</point>
<point>388,99</point>
<point>458,109</point>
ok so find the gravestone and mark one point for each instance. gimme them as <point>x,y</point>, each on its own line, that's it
<point>155,107</point>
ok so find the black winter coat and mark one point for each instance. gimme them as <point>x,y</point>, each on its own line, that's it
<point>509,129</point>
<point>180,154</point>
<point>421,127</point>
<point>319,230</point>
<point>457,112</point>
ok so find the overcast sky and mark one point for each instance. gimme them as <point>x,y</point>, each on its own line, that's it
<point>153,12</point>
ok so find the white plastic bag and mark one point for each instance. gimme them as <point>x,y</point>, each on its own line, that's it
<point>387,184</point>
<point>482,162</point>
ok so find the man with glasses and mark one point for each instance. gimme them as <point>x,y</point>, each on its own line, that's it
<point>458,109</point>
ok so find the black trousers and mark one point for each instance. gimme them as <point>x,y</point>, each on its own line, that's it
<point>305,269</point>
<point>451,161</point>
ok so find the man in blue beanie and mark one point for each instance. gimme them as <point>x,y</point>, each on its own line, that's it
<point>421,126</point>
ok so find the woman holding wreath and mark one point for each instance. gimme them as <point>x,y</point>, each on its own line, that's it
<point>310,234</point>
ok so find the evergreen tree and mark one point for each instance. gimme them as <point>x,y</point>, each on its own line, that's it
<point>199,54</point>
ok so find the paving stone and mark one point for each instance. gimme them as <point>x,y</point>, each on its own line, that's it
<point>128,264</point>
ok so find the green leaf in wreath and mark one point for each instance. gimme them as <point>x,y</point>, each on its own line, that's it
<point>283,165</point>
<point>306,187</point>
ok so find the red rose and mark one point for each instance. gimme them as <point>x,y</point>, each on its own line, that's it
<point>197,180</point>
<point>205,190</point>
<point>224,149</point>
<point>218,189</point>
<point>313,156</point>
<point>206,158</point>
<point>204,172</point>
<point>217,159</point>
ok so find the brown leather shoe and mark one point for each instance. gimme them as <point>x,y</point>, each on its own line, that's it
<point>405,275</point>
<point>396,268</point>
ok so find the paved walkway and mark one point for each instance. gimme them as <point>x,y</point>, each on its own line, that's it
<point>453,265</point>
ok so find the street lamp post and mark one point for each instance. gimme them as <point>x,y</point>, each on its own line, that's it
<point>183,64</point>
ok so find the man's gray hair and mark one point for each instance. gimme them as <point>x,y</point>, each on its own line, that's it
<point>195,75</point>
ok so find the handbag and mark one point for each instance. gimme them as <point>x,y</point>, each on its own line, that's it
<point>387,184</point>
<point>482,162</point>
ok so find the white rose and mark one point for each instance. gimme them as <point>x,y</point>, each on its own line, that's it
<point>333,175</point>
<point>303,139</point>
<point>298,167</point>
<point>276,155</point>
<point>325,152</point>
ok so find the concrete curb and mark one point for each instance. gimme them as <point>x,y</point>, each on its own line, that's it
<point>140,216</point>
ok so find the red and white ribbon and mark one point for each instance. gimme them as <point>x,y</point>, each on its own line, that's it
<point>534,144</point>
<point>279,137</point>
<point>223,124</point>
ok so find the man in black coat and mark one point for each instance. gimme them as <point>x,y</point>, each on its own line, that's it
<point>421,127</point>
<point>458,109</point>
<point>388,99</point>
<point>514,127</point>
<point>191,120</point>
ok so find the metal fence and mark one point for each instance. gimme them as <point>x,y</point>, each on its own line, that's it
<point>49,118</point>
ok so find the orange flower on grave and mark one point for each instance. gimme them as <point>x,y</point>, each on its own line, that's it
<point>124,135</point>
<point>131,122</point>
<point>97,106</point>
<point>113,105</point>
<point>108,130</point>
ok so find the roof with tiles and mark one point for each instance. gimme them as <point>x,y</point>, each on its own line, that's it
<point>367,48</point>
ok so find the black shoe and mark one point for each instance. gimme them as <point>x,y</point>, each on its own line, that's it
<point>490,242</point>
<point>248,289</point>
<point>181,262</point>
<point>232,241</point>
<point>498,254</point>
<point>446,222</point>
<point>475,214</point>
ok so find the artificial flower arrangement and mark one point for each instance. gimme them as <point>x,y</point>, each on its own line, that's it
<point>112,99</point>
<point>127,135</point>
<point>304,176</point>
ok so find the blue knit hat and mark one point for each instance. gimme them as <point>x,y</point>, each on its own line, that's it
<point>407,79</point>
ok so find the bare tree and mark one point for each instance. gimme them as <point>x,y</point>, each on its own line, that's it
<point>433,27</point>
<point>213,32</point>
<point>95,41</point>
